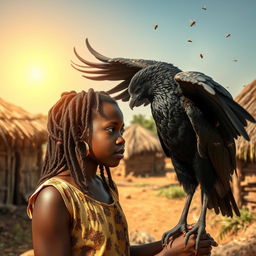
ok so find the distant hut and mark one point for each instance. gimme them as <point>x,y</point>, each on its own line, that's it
<point>21,139</point>
<point>244,184</point>
<point>143,153</point>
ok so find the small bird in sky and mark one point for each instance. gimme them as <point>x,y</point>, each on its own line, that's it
<point>189,40</point>
<point>192,23</point>
<point>235,60</point>
<point>155,27</point>
<point>227,35</point>
<point>204,8</point>
<point>201,55</point>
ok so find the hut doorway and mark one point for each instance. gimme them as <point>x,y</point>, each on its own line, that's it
<point>16,167</point>
<point>7,176</point>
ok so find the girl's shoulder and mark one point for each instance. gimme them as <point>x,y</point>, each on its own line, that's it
<point>52,191</point>
<point>49,203</point>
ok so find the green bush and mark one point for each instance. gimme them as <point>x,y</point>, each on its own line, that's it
<point>233,225</point>
<point>172,192</point>
<point>142,185</point>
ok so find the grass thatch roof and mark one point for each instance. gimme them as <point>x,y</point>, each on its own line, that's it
<point>20,128</point>
<point>139,140</point>
<point>246,150</point>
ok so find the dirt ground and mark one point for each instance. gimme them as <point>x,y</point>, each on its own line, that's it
<point>144,210</point>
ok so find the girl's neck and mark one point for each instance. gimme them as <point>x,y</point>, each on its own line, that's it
<point>91,170</point>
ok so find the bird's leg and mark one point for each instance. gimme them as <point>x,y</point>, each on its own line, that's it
<point>182,224</point>
<point>199,227</point>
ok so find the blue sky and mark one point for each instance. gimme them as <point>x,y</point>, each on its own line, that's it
<point>42,33</point>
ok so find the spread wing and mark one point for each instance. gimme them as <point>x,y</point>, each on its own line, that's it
<point>114,69</point>
<point>216,103</point>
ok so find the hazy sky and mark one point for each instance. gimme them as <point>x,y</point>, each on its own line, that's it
<point>37,39</point>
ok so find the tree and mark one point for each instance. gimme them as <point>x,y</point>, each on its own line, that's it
<point>148,124</point>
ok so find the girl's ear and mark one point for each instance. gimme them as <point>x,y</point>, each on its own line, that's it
<point>87,148</point>
<point>82,148</point>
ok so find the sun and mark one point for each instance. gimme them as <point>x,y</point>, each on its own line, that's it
<point>36,75</point>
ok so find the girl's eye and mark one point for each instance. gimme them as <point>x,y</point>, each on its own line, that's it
<point>122,131</point>
<point>110,129</point>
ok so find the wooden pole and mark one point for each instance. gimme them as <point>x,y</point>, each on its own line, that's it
<point>236,179</point>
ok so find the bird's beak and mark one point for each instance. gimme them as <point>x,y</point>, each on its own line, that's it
<point>132,103</point>
<point>136,102</point>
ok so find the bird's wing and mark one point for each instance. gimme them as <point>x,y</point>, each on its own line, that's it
<point>215,102</point>
<point>165,149</point>
<point>218,150</point>
<point>114,69</point>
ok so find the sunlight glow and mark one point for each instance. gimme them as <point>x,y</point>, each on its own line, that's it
<point>33,75</point>
<point>36,74</point>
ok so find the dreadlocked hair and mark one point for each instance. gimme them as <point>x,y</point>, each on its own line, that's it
<point>69,126</point>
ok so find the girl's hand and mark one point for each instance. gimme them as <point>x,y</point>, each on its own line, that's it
<point>177,246</point>
<point>205,245</point>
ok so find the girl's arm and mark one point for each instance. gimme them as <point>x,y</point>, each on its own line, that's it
<point>50,224</point>
<point>146,249</point>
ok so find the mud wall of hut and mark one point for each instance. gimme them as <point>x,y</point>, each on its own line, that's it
<point>145,164</point>
<point>19,174</point>
<point>244,185</point>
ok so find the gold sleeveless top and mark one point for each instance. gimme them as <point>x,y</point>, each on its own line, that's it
<point>98,228</point>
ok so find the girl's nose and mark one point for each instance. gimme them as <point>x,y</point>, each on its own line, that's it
<point>120,140</point>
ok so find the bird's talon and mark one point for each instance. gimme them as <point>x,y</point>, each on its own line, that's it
<point>186,239</point>
<point>197,244</point>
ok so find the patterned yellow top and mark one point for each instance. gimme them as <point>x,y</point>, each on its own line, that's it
<point>98,228</point>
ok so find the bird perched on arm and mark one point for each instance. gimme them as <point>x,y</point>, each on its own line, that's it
<point>197,121</point>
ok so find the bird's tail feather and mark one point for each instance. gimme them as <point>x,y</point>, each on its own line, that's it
<point>224,205</point>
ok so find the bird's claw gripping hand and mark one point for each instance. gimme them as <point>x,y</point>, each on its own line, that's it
<point>176,231</point>
<point>198,229</point>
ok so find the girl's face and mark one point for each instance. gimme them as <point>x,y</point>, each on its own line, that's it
<point>107,144</point>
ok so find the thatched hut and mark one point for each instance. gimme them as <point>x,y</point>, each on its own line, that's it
<point>143,153</point>
<point>21,139</point>
<point>244,184</point>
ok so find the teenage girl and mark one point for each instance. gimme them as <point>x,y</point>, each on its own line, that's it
<point>76,211</point>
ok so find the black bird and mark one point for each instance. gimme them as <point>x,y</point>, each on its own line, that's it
<point>155,27</point>
<point>197,122</point>
<point>192,23</point>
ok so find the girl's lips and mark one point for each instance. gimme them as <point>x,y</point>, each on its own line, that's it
<point>119,155</point>
<point>120,151</point>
